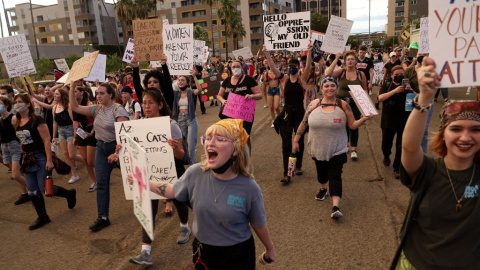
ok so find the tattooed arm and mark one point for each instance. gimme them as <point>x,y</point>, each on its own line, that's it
<point>352,123</point>
<point>303,125</point>
<point>162,189</point>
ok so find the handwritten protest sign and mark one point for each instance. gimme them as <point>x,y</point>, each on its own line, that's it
<point>317,52</point>
<point>423,46</point>
<point>367,43</point>
<point>347,48</point>
<point>210,87</point>
<point>129,51</point>
<point>147,36</point>
<point>205,54</point>
<point>81,68</point>
<point>152,135</point>
<point>244,52</point>
<point>62,65</point>
<point>178,47</point>
<point>165,22</point>
<point>239,108</point>
<point>63,79</point>
<point>315,35</point>
<point>198,51</point>
<point>337,34</point>
<point>454,37</point>
<point>288,31</point>
<point>16,56</point>
<point>142,206</point>
<point>98,69</point>
<point>156,64</point>
<point>377,73</point>
<point>363,101</point>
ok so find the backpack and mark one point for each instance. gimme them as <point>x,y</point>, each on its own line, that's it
<point>114,110</point>
<point>133,106</point>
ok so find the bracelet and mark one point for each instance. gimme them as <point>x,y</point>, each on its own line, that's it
<point>419,107</point>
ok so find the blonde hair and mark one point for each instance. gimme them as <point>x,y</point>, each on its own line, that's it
<point>241,162</point>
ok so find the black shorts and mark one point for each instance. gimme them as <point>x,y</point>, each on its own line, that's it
<point>89,141</point>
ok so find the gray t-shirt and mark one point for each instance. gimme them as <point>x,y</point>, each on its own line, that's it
<point>226,222</point>
<point>104,122</point>
<point>440,237</point>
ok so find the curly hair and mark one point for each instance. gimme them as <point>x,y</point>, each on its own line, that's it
<point>157,75</point>
<point>63,98</point>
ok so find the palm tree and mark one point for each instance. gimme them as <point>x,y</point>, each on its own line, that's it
<point>226,11</point>
<point>237,29</point>
<point>210,3</point>
<point>200,33</point>
<point>124,12</point>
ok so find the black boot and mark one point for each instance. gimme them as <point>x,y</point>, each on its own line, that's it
<point>211,104</point>
<point>39,205</point>
<point>70,195</point>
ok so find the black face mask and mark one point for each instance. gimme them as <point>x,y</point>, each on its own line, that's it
<point>224,167</point>
<point>398,79</point>
<point>183,88</point>
<point>293,71</point>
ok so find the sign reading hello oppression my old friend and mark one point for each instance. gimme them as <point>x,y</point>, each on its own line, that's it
<point>147,37</point>
<point>289,31</point>
<point>16,56</point>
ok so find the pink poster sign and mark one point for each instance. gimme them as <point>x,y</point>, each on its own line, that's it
<point>239,108</point>
<point>363,101</point>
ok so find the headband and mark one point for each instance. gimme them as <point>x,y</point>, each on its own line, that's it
<point>236,130</point>
<point>329,79</point>
<point>459,110</point>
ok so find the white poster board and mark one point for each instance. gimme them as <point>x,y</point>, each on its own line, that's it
<point>287,31</point>
<point>347,48</point>
<point>129,51</point>
<point>156,64</point>
<point>98,69</point>
<point>63,79</point>
<point>244,52</point>
<point>142,206</point>
<point>198,51</point>
<point>377,73</point>
<point>337,34</point>
<point>423,46</point>
<point>62,65</point>
<point>16,56</point>
<point>165,22</point>
<point>205,54</point>
<point>316,36</point>
<point>455,42</point>
<point>178,47</point>
<point>152,135</point>
<point>363,101</point>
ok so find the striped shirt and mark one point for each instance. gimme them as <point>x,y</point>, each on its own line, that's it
<point>104,122</point>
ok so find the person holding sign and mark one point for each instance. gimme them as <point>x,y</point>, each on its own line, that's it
<point>441,226</point>
<point>226,200</point>
<point>348,76</point>
<point>105,114</point>
<point>327,120</point>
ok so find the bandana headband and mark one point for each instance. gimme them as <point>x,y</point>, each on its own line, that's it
<point>329,79</point>
<point>236,130</point>
<point>459,110</point>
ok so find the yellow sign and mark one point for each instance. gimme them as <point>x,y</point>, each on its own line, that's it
<point>405,35</point>
<point>30,82</point>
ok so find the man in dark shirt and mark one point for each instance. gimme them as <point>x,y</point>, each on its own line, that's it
<point>365,65</point>
<point>393,61</point>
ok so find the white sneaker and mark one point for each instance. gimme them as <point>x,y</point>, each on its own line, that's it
<point>273,125</point>
<point>265,106</point>
<point>92,187</point>
<point>73,179</point>
<point>370,92</point>
<point>354,155</point>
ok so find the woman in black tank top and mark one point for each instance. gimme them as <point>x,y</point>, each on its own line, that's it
<point>46,102</point>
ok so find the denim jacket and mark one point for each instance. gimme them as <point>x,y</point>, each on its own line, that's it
<point>177,93</point>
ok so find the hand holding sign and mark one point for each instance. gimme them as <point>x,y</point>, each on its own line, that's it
<point>240,107</point>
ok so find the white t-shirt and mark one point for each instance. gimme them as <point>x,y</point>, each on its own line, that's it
<point>132,110</point>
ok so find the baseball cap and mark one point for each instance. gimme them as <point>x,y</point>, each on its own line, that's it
<point>393,54</point>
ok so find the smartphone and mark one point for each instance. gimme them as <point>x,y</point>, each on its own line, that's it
<point>404,82</point>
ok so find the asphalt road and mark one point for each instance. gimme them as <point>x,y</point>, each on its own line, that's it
<point>304,235</point>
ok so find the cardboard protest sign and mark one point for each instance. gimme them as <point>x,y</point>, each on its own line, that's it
<point>98,69</point>
<point>64,78</point>
<point>165,22</point>
<point>62,65</point>
<point>455,41</point>
<point>81,68</point>
<point>210,87</point>
<point>198,51</point>
<point>423,44</point>
<point>337,34</point>
<point>244,52</point>
<point>239,108</point>
<point>16,56</point>
<point>288,31</point>
<point>178,47</point>
<point>129,51</point>
<point>147,37</point>
<point>152,135</point>
<point>142,206</point>
<point>363,101</point>
<point>377,73</point>
<point>205,54</point>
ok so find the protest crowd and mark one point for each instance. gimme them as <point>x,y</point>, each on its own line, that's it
<point>309,96</point>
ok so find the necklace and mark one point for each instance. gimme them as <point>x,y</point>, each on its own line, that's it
<point>458,206</point>
<point>215,196</point>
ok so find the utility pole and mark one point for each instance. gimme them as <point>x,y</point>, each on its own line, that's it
<point>34,32</point>
<point>6,19</point>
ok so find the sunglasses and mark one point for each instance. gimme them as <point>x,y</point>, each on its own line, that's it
<point>462,106</point>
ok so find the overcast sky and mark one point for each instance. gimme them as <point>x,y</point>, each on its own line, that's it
<point>357,11</point>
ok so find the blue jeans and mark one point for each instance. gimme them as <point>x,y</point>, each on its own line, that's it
<point>35,177</point>
<point>103,170</point>
<point>425,134</point>
<point>189,129</point>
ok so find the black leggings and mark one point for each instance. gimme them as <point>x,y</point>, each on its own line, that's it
<point>331,171</point>
<point>182,209</point>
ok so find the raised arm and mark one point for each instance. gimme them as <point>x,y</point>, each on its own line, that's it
<point>308,66</point>
<point>197,84</point>
<point>73,101</point>
<point>271,64</point>
<point>137,84</point>
<point>167,89</point>
<point>331,71</point>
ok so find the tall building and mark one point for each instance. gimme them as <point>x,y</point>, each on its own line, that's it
<point>73,22</point>
<point>326,7</point>
<point>402,12</point>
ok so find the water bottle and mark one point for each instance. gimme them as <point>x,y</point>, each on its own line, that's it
<point>54,147</point>
<point>264,260</point>
<point>81,133</point>
<point>49,186</point>
<point>408,101</point>
<point>292,160</point>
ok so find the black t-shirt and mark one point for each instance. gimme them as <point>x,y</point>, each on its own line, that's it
<point>7,131</point>
<point>29,136</point>
<point>242,88</point>
<point>390,65</point>
<point>82,119</point>
<point>293,93</point>
<point>365,65</point>
<point>393,110</point>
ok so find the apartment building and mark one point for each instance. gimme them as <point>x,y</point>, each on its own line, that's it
<point>402,12</point>
<point>326,7</point>
<point>71,22</point>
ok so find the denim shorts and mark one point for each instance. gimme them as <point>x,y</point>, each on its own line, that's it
<point>11,152</point>
<point>65,133</point>
<point>273,91</point>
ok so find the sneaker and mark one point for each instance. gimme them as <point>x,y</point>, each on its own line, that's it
<point>92,187</point>
<point>22,199</point>
<point>285,180</point>
<point>265,106</point>
<point>322,194</point>
<point>9,171</point>
<point>272,126</point>
<point>184,235</point>
<point>99,224</point>
<point>336,214</point>
<point>298,172</point>
<point>142,258</point>
<point>354,155</point>
<point>73,179</point>
<point>386,161</point>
